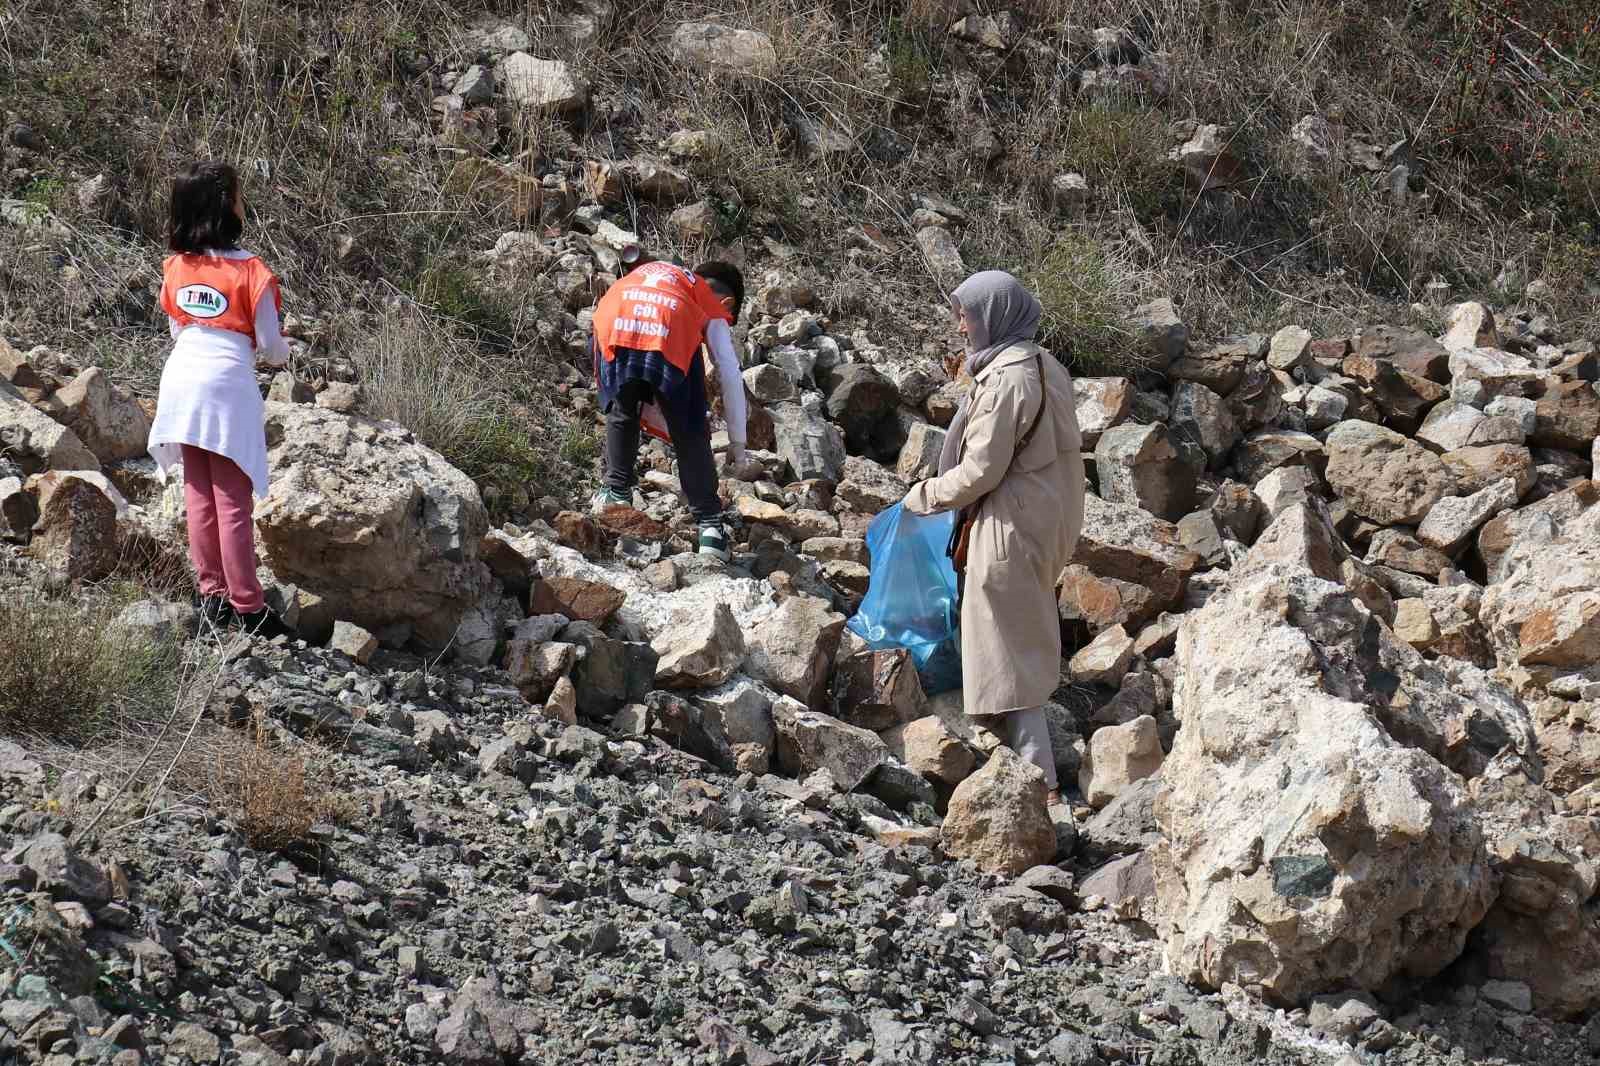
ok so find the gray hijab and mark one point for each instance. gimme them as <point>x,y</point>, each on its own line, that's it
<point>1000,313</point>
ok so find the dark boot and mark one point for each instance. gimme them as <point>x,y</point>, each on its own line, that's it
<point>215,611</point>
<point>262,623</point>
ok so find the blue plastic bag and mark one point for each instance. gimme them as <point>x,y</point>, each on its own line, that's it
<point>911,595</point>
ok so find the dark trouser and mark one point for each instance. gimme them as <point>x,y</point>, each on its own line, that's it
<point>697,469</point>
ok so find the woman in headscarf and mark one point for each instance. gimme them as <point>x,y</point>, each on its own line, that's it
<point>1012,462</point>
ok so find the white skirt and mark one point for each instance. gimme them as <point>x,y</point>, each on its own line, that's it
<point>209,399</point>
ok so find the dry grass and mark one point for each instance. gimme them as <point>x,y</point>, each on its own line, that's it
<point>68,674</point>
<point>263,782</point>
<point>328,109</point>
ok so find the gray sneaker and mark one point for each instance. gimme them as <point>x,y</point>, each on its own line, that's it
<point>714,541</point>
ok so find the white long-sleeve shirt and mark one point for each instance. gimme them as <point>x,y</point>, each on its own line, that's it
<point>719,339</point>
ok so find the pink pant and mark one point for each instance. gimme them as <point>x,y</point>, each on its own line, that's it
<point>221,511</point>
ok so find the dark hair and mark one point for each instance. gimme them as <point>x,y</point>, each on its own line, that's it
<point>727,276</point>
<point>202,209</point>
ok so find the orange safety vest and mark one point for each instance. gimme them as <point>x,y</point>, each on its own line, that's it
<point>657,308</point>
<point>209,290</point>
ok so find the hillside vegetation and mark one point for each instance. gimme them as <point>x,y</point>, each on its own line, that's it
<point>1333,164</point>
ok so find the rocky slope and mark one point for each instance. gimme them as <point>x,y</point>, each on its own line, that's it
<point>1328,731</point>
<point>1327,716</point>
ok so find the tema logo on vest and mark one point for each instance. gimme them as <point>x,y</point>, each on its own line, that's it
<point>201,301</point>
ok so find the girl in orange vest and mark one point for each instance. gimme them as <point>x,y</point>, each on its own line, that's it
<point>222,305</point>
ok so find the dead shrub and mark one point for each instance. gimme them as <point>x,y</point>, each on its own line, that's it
<point>266,787</point>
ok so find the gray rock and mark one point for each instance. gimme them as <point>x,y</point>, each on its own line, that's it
<point>1138,465</point>
<point>61,871</point>
<point>609,672</point>
<point>808,741</point>
<point>811,446</point>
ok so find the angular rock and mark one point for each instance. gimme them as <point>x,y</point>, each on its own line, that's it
<point>1161,332</point>
<point>919,459</point>
<point>380,527</point>
<point>868,487</point>
<point>609,673</point>
<point>859,401</point>
<point>18,512</point>
<point>353,642</point>
<point>1262,452</point>
<point>1450,426</point>
<point>1124,826</point>
<point>722,48</point>
<point>77,534</point>
<point>1401,551</point>
<point>1105,659</point>
<point>1239,511</point>
<point>942,255</point>
<point>110,423</point>
<point>35,441</point>
<point>1121,542</point>
<point>1476,468</point>
<point>997,817</point>
<point>1508,539</point>
<point>792,649</point>
<point>878,689</point>
<point>575,598</point>
<point>1138,465</point>
<point>59,870</point>
<point>1202,420</point>
<point>1101,404</point>
<point>1567,416</point>
<point>1453,520</point>
<point>536,665</point>
<point>736,720</point>
<point>1221,368</point>
<point>1289,349</point>
<point>1469,325</point>
<point>701,651</point>
<point>927,746</point>
<point>808,741</point>
<point>1408,350</point>
<point>1383,476</point>
<point>811,446</point>
<point>1118,756</point>
<point>546,85</point>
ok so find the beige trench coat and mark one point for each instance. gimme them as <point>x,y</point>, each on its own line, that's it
<point>1025,533</point>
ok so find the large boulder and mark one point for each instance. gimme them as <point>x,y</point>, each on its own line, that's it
<point>35,441</point>
<point>1547,610</point>
<point>1314,841</point>
<point>110,423</point>
<point>1384,476</point>
<point>1138,465</point>
<point>368,518</point>
<point>998,818</point>
<point>928,746</point>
